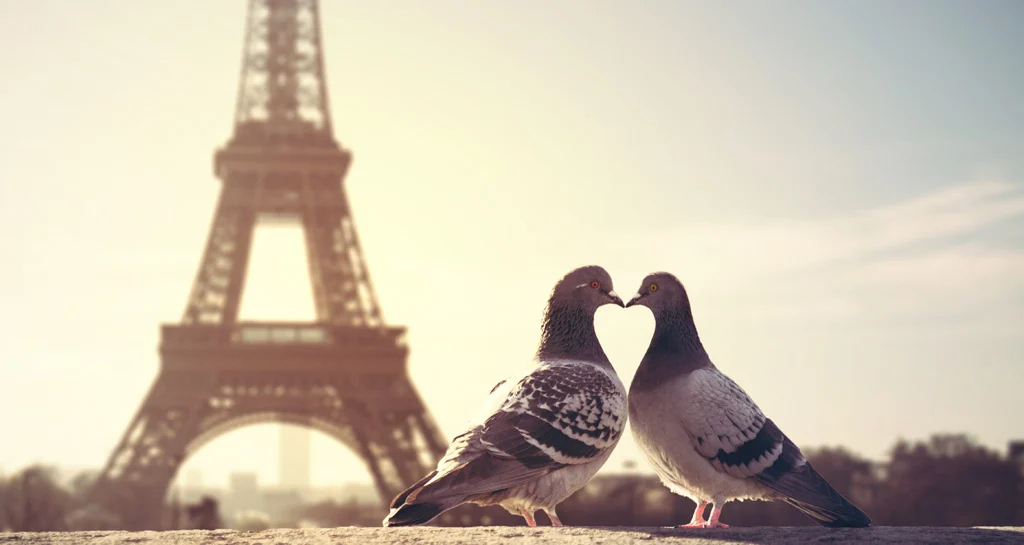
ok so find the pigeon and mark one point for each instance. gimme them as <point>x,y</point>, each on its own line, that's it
<point>704,436</point>
<point>540,436</point>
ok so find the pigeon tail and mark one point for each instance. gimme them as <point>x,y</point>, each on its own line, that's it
<point>418,513</point>
<point>825,505</point>
<point>411,514</point>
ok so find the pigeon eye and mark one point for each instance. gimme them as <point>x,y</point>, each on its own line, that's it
<point>595,284</point>
<point>653,288</point>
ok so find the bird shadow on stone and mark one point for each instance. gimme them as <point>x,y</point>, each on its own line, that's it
<point>811,534</point>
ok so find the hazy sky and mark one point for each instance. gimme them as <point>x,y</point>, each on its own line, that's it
<point>840,185</point>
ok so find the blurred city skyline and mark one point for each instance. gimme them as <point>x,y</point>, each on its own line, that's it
<point>839,186</point>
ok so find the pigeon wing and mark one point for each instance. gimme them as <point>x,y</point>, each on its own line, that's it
<point>729,429</point>
<point>556,416</point>
<point>559,415</point>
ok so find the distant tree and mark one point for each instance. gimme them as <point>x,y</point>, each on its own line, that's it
<point>92,517</point>
<point>204,515</point>
<point>948,481</point>
<point>85,515</point>
<point>80,484</point>
<point>4,526</point>
<point>34,502</point>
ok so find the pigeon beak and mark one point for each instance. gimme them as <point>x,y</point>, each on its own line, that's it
<point>633,301</point>
<point>615,298</point>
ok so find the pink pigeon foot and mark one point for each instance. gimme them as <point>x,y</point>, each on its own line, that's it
<point>716,512</point>
<point>698,517</point>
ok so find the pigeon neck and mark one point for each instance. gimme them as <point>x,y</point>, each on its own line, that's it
<point>675,349</point>
<point>568,333</point>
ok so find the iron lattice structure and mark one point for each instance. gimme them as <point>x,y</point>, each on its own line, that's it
<point>344,374</point>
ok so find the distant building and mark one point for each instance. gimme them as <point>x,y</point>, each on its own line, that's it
<point>294,458</point>
<point>243,492</point>
<point>281,503</point>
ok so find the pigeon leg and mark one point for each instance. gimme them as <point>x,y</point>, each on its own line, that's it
<point>716,512</point>
<point>698,517</point>
<point>554,517</point>
<point>529,518</point>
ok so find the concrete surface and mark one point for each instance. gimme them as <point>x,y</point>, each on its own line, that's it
<point>499,535</point>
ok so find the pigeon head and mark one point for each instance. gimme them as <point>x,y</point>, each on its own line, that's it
<point>660,291</point>
<point>568,327</point>
<point>589,287</point>
<point>675,335</point>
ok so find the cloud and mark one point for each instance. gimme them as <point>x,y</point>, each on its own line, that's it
<point>899,259</point>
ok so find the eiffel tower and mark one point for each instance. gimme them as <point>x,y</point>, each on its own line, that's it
<point>344,374</point>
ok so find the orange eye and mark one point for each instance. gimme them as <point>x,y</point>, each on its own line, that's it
<point>654,288</point>
<point>595,284</point>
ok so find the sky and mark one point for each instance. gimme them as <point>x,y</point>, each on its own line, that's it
<point>839,185</point>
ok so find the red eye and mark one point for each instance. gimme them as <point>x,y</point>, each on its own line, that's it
<point>595,284</point>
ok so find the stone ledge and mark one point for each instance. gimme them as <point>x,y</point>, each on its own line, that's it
<point>494,535</point>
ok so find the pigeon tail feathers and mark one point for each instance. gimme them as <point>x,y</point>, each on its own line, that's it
<point>411,514</point>
<point>418,513</point>
<point>440,491</point>
<point>798,484</point>
<point>813,496</point>
<point>400,499</point>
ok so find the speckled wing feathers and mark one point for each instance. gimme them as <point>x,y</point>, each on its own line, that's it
<point>562,413</point>
<point>727,427</point>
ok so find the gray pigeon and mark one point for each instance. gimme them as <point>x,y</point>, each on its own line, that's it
<point>704,436</point>
<point>542,437</point>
